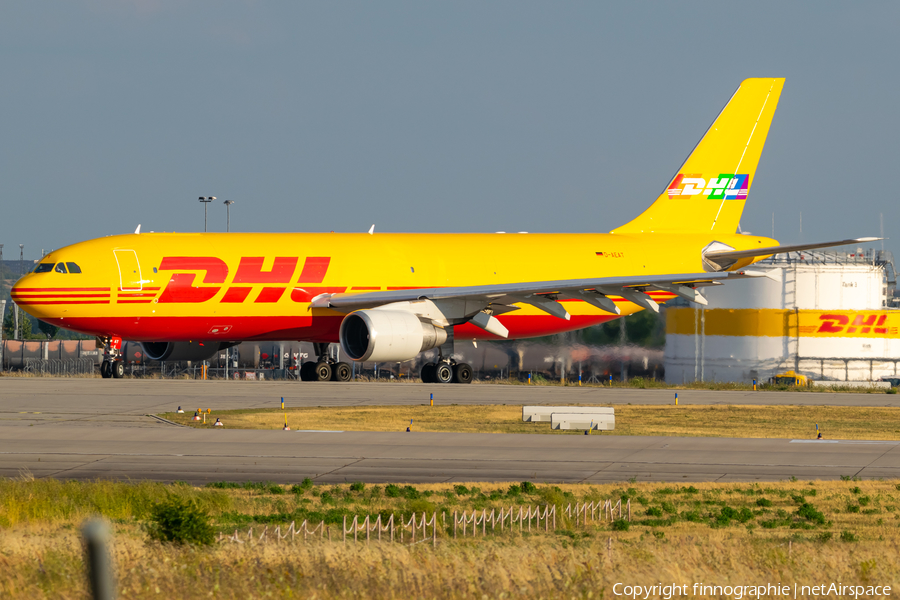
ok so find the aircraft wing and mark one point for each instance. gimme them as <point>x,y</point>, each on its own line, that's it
<point>540,294</point>
<point>726,258</point>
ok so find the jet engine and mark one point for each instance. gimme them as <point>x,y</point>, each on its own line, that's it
<point>180,350</point>
<point>387,335</point>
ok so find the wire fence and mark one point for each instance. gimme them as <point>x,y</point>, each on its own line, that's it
<point>420,528</point>
<point>60,366</point>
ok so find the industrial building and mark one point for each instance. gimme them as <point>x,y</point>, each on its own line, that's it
<point>830,316</point>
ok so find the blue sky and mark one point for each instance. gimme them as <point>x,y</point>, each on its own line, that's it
<point>467,116</point>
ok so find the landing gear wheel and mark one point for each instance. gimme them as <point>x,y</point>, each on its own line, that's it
<point>105,370</point>
<point>341,372</point>
<point>443,373</point>
<point>427,373</point>
<point>323,371</point>
<point>118,369</point>
<point>462,373</point>
<point>308,371</point>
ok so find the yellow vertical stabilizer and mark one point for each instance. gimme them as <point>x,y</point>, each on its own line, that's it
<point>709,191</point>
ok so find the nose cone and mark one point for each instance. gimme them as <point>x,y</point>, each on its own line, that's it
<point>27,294</point>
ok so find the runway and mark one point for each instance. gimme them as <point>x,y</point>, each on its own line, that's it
<point>92,428</point>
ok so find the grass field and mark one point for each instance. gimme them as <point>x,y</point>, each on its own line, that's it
<point>717,534</point>
<point>835,422</point>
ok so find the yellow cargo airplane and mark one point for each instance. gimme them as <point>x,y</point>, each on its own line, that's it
<point>385,297</point>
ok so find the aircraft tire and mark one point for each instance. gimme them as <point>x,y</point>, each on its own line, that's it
<point>323,371</point>
<point>308,371</point>
<point>443,373</point>
<point>462,373</point>
<point>427,373</point>
<point>341,372</point>
<point>118,369</point>
<point>105,370</point>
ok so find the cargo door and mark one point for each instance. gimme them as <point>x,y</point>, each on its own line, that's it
<point>130,279</point>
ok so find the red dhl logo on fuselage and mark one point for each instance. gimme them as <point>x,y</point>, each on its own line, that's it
<point>181,287</point>
<point>184,288</point>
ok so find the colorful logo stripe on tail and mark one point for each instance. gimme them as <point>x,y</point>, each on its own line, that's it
<point>727,186</point>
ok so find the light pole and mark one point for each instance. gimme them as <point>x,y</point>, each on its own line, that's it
<point>205,200</point>
<point>21,272</point>
<point>228,204</point>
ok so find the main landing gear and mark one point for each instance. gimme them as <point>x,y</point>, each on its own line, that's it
<point>113,365</point>
<point>446,371</point>
<point>324,368</point>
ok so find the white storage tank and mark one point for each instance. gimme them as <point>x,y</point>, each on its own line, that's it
<point>824,315</point>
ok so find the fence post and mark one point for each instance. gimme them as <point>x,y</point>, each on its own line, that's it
<point>96,538</point>
<point>344,530</point>
<point>454,524</point>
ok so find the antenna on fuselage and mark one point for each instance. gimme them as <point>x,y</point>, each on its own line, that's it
<point>138,230</point>
<point>372,229</point>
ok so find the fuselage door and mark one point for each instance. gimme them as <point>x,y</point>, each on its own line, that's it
<point>130,279</point>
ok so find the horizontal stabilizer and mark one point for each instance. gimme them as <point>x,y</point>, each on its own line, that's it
<point>726,258</point>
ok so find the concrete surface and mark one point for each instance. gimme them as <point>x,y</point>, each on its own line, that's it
<point>90,428</point>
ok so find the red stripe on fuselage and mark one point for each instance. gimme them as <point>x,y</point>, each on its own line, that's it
<point>23,303</point>
<point>105,289</point>
<point>16,296</point>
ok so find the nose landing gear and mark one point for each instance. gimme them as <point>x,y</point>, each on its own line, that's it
<point>112,365</point>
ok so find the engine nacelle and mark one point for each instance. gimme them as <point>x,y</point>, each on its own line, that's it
<point>180,350</point>
<point>387,335</point>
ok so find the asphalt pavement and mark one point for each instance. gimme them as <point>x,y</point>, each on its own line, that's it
<point>93,428</point>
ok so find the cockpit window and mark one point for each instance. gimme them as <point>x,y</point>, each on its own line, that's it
<point>43,268</point>
<point>60,268</point>
<point>73,268</point>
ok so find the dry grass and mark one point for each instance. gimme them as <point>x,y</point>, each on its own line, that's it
<point>835,422</point>
<point>41,556</point>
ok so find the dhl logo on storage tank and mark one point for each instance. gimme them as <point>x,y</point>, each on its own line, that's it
<point>771,322</point>
<point>724,187</point>
<point>852,325</point>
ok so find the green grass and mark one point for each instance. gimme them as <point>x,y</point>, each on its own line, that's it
<point>712,532</point>
<point>747,421</point>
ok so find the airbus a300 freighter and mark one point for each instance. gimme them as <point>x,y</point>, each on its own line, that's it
<point>385,297</point>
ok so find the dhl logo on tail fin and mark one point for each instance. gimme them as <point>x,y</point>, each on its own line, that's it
<point>723,187</point>
<point>721,167</point>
